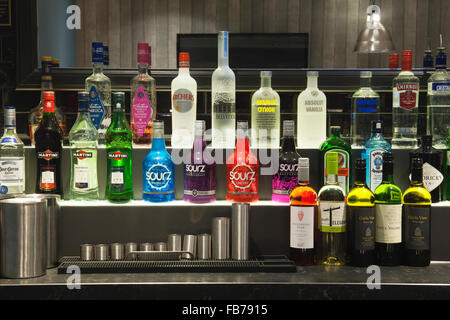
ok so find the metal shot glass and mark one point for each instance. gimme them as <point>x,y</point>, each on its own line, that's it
<point>117,251</point>
<point>221,238</point>
<point>161,246</point>
<point>87,252</point>
<point>204,246</point>
<point>146,246</point>
<point>174,242</point>
<point>101,252</point>
<point>189,244</point>
<point>240,226</point>
<point>131,246</point>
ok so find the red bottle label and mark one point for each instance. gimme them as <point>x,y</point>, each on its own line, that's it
<point>243,179</point>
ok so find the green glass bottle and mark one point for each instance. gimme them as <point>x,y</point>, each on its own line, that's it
<point>361,220</point>
<point>336,144</point>
<point>118,138</point>
<point>388,216</point>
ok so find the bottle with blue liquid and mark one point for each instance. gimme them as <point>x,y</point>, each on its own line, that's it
<point>373,152</point>
<point>159,169</point>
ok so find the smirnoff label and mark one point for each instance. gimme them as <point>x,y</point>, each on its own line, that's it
<point>405,95</point>
<point>141,111</point>
<point>182,100</point>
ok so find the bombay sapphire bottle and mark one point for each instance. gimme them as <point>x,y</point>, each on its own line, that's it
<point>159,169</point>
<point>200,172</point>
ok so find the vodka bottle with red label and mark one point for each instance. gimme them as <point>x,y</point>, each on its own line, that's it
<point>143,99</point>
<point>405,105</point>
<point>184,105</point>
<point>48,138</point>
<point>242,169</point>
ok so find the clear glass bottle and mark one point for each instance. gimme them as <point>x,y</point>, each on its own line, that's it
<point>311,114</point>
<point>374,149</point>
<point>405,105</point>
<point>143,99</point>
<point>223,99</point>
<point>265,115</point>
<point>388,217</point>
<point>438,99</point>
<point>184,105</point>
<point>303,219</point>
<point>158,170</point>
<point>365,109</point>
<point>83,154</point>
<point>361,220</point>
<point>331,217</point>
<point>416,220</point>
<point>12,157</point>
<point>99,87</point>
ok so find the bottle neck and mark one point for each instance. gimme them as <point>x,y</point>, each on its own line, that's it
<point>332,179</point>
<point>118,118</point>
<point>266,82</point>
<point>288,144</point>
<point>388,173</point>
<point>377,135</point>
<point>223,50</point>
<point>360,177</point>
<point>365,82</point>
<point>427,147</point>
<point>312,82</point>
<point>417,177</point>
<point>183,71</point>
<point>142,68</point>
<point>242,145</point>
<point>97,67</point>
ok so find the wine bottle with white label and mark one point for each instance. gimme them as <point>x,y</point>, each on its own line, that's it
<point>361,220</point>
<point>388,217</point>
<point>432,167</point>
<point>416,219</point>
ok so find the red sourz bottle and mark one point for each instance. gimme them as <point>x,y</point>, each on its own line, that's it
<point>242,169</point>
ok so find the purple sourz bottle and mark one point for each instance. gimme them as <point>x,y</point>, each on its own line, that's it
<point>200,173</point>
<point>285,180</point>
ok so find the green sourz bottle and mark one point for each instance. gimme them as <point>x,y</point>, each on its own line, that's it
<point>118,138</point>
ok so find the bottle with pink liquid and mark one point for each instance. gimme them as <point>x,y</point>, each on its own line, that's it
<point>285,180</point>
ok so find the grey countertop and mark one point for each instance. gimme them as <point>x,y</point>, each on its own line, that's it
<point>317,282</point>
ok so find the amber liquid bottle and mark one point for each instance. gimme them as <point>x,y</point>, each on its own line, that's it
<point>303,218</point>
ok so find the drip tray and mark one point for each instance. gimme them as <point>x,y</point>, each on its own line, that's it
<point>260,264</point>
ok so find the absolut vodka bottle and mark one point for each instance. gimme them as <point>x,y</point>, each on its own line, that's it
<point>158,169</point>
<point>99,87</point>
<point>200,172</point>
<point>286,178</point>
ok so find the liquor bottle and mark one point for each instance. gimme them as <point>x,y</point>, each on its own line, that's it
<point>432,167</point>
<point>311,114</point>
<point>12,157</point>
<point>265,115</point>
<point>285,180</point>
<point>373,152</point>
<point>184,105</point>
<point>361,220</point>
<point>200,172</point>
<point>223,98</point>
<point>332,218</point>
<point>242,169</point>
<point>365,109</point>
<point>83,154</point>
<point>416,220</point>
<point>303,218</point>
<point>99,87</point>
<point>405,101</point>
<point>143,99</point>
<point>388,216</point>
<point>439,101</point>
<point>335,144</point>
<point>48,142</point>
<point>158,169</point>
<point>35,116</point>
<point>119,147</point>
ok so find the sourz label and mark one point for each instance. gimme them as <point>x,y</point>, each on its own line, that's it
<point>285,180</point>
<point>159,177</point>
<point>364,228</point>
<point>417,227</point>
<point>242,176</point>
<point>224,110</point>
<point>367,105</point>
<point>96,107</point>
<point>48,155</point>
<point>141,111</point>
<point>432,177</point>
<point>182,100</point>
<point>195,170</point>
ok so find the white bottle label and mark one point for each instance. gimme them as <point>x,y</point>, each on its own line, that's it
<point>388,223</point>
<point>182,100</point>
<point>432,177</point>
<point>117,177</point>
<point>376,168</point>
<point>81,177</point>
<point>332,216</point>
<point>302,227</point>
<point>47,177</point>
<point>11,171</point>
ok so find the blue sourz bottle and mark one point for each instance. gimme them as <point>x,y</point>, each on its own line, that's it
<point>159,169</point>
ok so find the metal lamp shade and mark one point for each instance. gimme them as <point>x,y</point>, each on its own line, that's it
<point>374,40</point>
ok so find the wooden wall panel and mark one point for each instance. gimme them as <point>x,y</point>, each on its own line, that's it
<point>333,26</point>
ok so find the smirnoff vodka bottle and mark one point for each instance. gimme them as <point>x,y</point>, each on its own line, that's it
<point>223,99</point>
<point>311,115</point>
<point>184,105</point>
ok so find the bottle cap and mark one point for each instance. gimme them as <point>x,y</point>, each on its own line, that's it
<point>394,61</point>
<point>10,117</point>
<point>264,74</point>
<point>142,53</point>
<point>427,140</point>
<point>365,74</point>
<point>377,126</point>
<point>336,130</point>
<point>288,128</point>
<point>183,60</point>
<point>312,74</point>
<point>106,55</point>
<point>46,59</point>
<point>303,169</point>
<point>332,163</point>
<point>407,60</point>
<point>97,52</point>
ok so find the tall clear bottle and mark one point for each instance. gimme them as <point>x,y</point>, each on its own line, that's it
<point>439,101</point>
<point>99,87</point>
<point>158,170</point>
<point>405,105</point>
<point>311,114</point>
<point>83,154</point>
<point>184,105</point>
<point>143,99</point>
<point>223,99</point>
<point>331,217</point>
<point>265,115</point>
<point>12,157</point>
<point>365,109</point>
